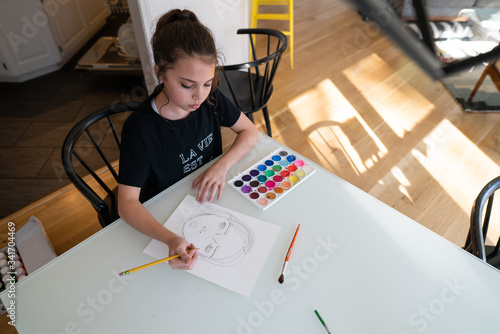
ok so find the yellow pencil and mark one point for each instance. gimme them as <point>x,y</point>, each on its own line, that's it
<point>126,272</point>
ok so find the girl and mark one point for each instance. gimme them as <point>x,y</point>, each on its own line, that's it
<point>177,129</point>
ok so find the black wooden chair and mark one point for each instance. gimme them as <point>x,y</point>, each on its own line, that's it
<point>479,224</point>
<point>250,85</point>
<point>93,147</point>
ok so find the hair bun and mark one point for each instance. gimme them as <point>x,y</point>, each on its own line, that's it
<point>179,15</point>
<point>175,15</point>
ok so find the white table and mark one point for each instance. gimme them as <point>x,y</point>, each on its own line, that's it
<point>365,267</point>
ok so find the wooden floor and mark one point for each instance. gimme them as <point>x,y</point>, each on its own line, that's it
<point>360,108</point>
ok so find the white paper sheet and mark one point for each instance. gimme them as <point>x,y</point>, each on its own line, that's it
<point>233,247</point>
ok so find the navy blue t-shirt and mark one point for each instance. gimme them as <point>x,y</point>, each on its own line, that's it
<point>156,153</point>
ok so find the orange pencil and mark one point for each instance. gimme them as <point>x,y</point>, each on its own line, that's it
<point>282,276</point>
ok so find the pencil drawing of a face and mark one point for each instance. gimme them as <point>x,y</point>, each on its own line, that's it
<point>222,239</point>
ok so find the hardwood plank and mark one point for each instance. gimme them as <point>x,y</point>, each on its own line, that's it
<point>67,217</point>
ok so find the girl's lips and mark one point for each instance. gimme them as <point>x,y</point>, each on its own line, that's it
<point>194,106</point>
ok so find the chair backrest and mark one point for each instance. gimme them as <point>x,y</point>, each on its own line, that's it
<point>480,222</point>
<point>250,84</point>
<point>93,147</point>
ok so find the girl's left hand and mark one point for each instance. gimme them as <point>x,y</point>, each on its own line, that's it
<point>210,182</point>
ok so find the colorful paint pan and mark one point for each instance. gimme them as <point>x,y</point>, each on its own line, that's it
<point>246,189</point>
<point>269,172</point>
<point>307,169</point>
<point>299,163</point>
<point>271,184</point>
<point>271,178</point>
<point>262,201</point>
<point>254,183</point>
<point>262,178</point>
<point>300,174</point>
<point>270,195</point>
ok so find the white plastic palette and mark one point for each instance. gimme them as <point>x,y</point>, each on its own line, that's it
<point>272,178</point>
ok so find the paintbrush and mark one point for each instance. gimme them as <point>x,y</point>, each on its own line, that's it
<point>282,276</point>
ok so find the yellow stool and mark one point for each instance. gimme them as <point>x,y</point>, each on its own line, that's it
<point>273,16</point>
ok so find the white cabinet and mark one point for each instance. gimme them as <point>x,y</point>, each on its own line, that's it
<point>39,37</point>
<point>27,45</point>
<point>4,70</point>
<point>75,21</point>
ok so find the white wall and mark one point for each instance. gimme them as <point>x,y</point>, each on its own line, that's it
<point>223,17</point>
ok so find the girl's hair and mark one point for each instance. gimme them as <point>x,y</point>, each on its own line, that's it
<point>179,34</point>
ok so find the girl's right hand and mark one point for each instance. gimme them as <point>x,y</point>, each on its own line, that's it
<point>186,261</point>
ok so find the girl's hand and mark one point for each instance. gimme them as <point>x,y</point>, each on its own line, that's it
<point>214,178</point>
<point>186,261</point>
<point>210,182</point>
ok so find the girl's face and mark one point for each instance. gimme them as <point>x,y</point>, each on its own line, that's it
<point>214,235</point>
<point>187,85</point>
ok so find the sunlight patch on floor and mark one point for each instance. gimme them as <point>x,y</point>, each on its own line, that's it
<point>400,105</point>
<point>449,156</point>
<point>440,177</point>
<point>330,138</point>
<point>403,181</point>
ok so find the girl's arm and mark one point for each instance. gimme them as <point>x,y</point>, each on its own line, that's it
<point>214,178</point>
<point>136,215</point>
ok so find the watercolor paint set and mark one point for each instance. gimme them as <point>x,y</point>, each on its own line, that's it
<point>272,178</point>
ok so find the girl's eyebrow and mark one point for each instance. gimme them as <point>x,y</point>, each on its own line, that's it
<point>192,81</point>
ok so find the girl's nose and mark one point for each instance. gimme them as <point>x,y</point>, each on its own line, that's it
<point>198,94</point>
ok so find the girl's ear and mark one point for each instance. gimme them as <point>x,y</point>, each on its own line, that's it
<point>157,73</point>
